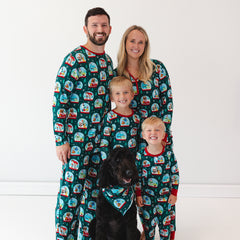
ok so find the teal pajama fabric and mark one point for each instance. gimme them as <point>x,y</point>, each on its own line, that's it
<point>119,131</point>
<point>80,100</point>
<point>159,177</point>
<point>159,215</point>
<point>154,98</point>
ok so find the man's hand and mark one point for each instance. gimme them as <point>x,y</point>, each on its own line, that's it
<point>63,152</point>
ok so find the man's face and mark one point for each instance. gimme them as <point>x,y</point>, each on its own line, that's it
<point>98,29</point>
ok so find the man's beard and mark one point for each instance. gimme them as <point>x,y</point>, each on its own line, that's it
<point>99,42</point>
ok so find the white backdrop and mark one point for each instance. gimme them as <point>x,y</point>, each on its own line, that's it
<point>198,41</point>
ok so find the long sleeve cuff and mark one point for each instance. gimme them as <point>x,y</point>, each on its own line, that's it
<point>61,143</point>
<point>138,193</point>
<point>174,192</point>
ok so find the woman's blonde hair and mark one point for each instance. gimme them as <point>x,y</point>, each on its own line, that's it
<point>120,81</point>
<point>146,66</point>
<point>153,121</point>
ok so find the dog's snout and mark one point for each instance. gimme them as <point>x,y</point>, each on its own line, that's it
<point>129,173</point>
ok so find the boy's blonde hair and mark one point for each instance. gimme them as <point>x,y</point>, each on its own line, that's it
<point>119,81</point>
<point>153,121</point>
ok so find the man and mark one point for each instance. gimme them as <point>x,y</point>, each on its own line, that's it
<point>80,100</point>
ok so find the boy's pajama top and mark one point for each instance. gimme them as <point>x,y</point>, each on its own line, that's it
<point>119,131</point>
<point>80,101</point>
<point>159,177</point>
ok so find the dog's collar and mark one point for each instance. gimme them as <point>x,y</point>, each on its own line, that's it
<point>121,198</point>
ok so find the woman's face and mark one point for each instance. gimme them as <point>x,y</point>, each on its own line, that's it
<point>135,44</point>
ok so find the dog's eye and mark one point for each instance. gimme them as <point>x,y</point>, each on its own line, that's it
<point>118,160</point>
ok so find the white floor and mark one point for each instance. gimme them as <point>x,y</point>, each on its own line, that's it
<point>32,218</point>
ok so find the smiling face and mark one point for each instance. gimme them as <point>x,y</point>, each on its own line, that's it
<point>123,167</point>
<point>98,29</point>
<point>119,169</point>
<point>122,95</point>
<point>135,44</point>
<point>153,134</point>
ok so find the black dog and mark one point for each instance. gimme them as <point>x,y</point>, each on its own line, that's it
<point>118,170</point>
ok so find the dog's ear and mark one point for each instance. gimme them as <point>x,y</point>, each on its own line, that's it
<point>105,174</point>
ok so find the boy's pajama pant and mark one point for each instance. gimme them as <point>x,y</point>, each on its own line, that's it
<point>156,213</point>
<point>173,222</point>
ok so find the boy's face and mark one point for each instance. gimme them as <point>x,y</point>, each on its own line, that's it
<point>153,134</point>
<point>122,96</point>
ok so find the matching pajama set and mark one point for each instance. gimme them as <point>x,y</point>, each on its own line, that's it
<point>80,100</point>
<point>154,98</point>
<point>159,177</point>
<point>117,131</point>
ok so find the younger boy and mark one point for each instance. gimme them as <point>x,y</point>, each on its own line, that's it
<point>159,178</point>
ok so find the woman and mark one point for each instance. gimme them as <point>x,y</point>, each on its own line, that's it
<point>152,88</point>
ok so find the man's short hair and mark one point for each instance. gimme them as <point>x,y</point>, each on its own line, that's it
<point>94,12</point>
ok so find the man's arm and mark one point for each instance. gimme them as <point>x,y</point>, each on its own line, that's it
<point>64,86</point>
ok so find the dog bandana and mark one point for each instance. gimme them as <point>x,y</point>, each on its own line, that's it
<point>119,197</point>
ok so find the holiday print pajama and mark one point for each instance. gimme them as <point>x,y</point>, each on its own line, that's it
<point>80,100</point>
<point>159,177</point>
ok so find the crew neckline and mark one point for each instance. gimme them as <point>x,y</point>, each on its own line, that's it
<point>92,51</point>
<point>122,115</point>
<point>154,155</point>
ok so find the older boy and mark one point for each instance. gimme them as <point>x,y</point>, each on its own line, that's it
<point>119,129</point>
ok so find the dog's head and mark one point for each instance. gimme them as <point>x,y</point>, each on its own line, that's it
<point>118,169</point>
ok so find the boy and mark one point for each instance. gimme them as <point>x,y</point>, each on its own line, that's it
<point>159,178</point>
<point>120,125</point>
<point>119,129</point>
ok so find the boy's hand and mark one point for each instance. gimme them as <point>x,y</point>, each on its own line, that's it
<point>139,201</point>
<point>172,199</point>
<point>164,143</point>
